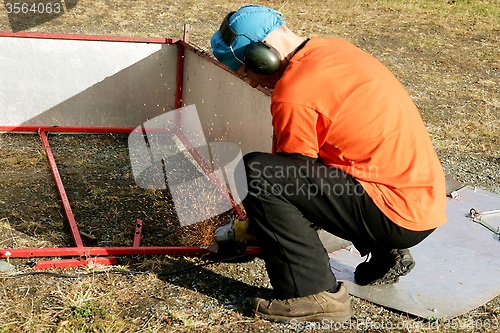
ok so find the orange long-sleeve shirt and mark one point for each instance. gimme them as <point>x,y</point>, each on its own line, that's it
<point>339,103</point>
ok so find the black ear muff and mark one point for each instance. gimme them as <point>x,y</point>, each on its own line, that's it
<point>261,58</point>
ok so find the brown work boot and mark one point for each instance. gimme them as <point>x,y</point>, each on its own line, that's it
<point>385,267</point>
<point>322,306</point>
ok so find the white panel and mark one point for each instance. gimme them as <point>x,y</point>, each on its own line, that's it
<point>230,110</point>
<point>47,82</point>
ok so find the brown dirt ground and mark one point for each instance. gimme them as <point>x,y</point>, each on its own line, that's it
<point>445,52</point>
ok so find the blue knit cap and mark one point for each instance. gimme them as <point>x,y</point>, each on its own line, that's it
<point>251,24</point>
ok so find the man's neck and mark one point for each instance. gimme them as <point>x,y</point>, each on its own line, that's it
<point>285,42</point>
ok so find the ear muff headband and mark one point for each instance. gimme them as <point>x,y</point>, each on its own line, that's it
<point>259,57</point>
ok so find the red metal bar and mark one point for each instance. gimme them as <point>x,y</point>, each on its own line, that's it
<point>87,37</point>
<point>180,75</point>
<point>65,263</point>
<point>62,192</point>
<point>138,233</point>
<point>66,129</point>
<point>85,252</point>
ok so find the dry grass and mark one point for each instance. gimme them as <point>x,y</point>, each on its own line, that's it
<point>445,52</point>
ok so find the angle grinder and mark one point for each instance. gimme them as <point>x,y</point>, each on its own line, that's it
<point>232,239</point>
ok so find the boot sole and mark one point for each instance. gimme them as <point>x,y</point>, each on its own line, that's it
<point>403,267</point>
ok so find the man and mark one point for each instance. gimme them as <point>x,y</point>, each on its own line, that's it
<point>351,155</point>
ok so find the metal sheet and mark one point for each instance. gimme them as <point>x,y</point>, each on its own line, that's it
<point>457,267</point>
<point>56,82</point>
<point>331,242</point>
<point>90,83</point>
<point>229,109</point>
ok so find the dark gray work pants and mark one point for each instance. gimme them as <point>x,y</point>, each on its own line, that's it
<point>289,198</point>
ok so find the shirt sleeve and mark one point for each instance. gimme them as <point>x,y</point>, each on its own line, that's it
<point>295,129</point>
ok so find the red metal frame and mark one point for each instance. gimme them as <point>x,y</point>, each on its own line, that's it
<point>101,255</point>
<point>80,254</point>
